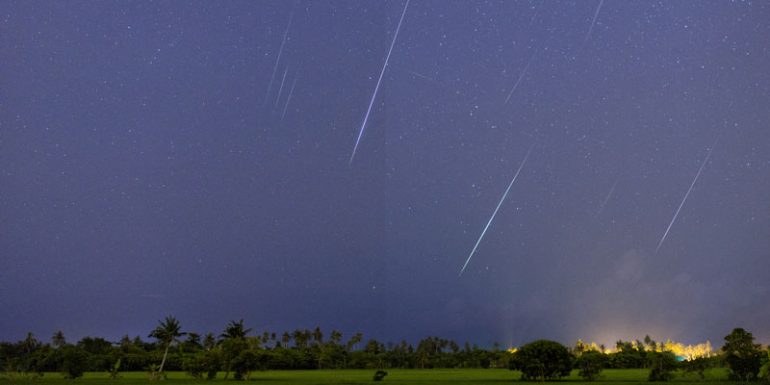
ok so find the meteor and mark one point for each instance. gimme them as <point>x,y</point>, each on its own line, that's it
<point>377,87</point>
<point>593,22</point>
<point>521,76</point>
<point>496,209</point>
<point>607,199</point>
<point>280,89</point>
<point>278,58</point>
<point>665,234</point>
<point>288,99</point>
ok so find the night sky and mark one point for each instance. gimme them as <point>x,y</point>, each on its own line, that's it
<point>183,158</point>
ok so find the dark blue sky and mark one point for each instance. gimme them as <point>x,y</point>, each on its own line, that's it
<point>147,168</point>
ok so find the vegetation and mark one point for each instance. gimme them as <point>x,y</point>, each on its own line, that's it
<point>237,354</point>
<point>166,333</point>
<point>764,372</point>
<point>743,357</point>
<point>365,376</point>
<point>590,364</point>
<point>542,360</point>
<point>662,366</point>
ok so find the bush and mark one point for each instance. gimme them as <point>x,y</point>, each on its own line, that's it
<point>542,360</point>
<point>742,356</point>
<point>764,372</point>
<point>195,366</point>
<point>74,361</point>
<point>591,364</point>
<point>696,366</point>
<point>243,364</point>
<point>662,366</point>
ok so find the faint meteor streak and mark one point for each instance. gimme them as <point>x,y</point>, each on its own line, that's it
<point>532,20</point>
<point>377,87</point>
<point>278,58</point>
<point>288,99</point>
<point>593,22</point>
<point>521,76</point>
<point>496,209</point>
<point>607,199</point>
<point>663,238</point>
<point>280,89</point>
<point>421,75</point>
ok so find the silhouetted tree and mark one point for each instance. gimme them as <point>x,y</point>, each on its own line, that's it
<point>58,339</point>
<point>235,330</point>
<point>166,333</point>
<point>742,355</point>
<point>209,341</point>
<point>662,366</point>
<point>74,361</point>
<point>542,360</point>
<point>590,364</point>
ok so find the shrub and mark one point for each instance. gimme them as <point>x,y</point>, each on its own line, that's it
<point>764,372</point>
<point>742,356</point>
<point>202,365</point>
<point>542,360</point>
<point>662,366</point>
<point>74,361</point>
<point>243,364</point>
<point>591,364</point>
<point>696,366</point>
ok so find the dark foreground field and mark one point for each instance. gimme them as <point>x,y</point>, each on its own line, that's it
<point>396,376</point>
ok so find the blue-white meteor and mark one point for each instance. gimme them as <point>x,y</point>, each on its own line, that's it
<point>496,209</point>
<point>663,238</point>
<point>379,80</point>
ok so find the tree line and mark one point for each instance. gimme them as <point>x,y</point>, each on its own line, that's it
<point>237,352</point>
<point>545,360</point>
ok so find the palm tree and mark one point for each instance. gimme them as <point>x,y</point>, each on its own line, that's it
<point>285,339</point>
<point>336,337</point>
<point>209,341</point>
<point>234,341</point>
<point>318,336</point>
<point>354,340</point>
<point>235,330</point>
<point>58,339</point>
<point>299,339</point>
<point>166,333</point>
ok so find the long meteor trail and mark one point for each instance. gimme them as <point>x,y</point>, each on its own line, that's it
<point>379,80</point>
<point>663,238</point>
<point>496,209</point>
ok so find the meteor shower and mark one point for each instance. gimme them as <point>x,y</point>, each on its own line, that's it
<point>398,191</point>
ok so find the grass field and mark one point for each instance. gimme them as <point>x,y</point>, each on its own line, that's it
<point>395,376</point>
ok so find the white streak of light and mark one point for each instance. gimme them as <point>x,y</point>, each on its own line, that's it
<point>495,212</point>
<point>377,87</point>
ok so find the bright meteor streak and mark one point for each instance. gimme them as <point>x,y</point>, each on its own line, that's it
<point>496,209</point>
<point>377,87</point>
<point>663,238</point>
